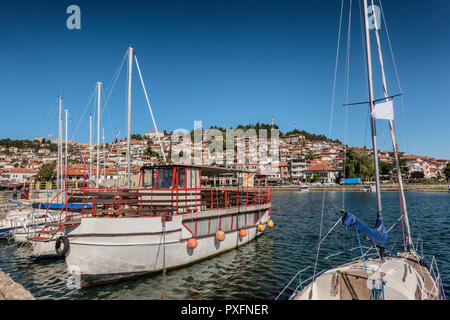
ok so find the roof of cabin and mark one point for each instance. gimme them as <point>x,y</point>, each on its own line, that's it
<point>206,170</point>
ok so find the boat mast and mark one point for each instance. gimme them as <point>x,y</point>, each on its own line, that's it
<point>99,85</point>
<point>371,105</point>
<point>90,147</point>
<point>130,65</point>
<point>118,159</point>
<point>104,157</point>
<point>66,153</point>
<point>59,168</point>
<point>392,131</point>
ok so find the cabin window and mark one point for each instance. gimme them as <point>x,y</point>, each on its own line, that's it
<point>181,178</point>
<point>197,178</point>
<point>164,178</point>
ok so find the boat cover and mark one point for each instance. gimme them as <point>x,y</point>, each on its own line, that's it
<point>378,234</point>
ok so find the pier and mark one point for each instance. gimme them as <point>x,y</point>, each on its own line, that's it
<point>11,290</point>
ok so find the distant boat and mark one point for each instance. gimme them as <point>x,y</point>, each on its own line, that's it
<point>369,189</point>
<point>303,188</point>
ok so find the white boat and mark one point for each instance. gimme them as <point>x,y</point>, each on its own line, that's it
<point>402,276</point>
<point>303,188</point>
<point>169,221</point>
<point>369,189</point>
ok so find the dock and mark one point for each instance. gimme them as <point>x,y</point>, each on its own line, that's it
<point>11,290</point>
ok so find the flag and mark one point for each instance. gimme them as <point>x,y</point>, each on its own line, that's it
<point>49,135</point>
<point>384,110</point>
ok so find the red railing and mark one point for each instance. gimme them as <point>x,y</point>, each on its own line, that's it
<point>139,202</point>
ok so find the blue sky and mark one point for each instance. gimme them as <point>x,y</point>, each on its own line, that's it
<point>225,63</point>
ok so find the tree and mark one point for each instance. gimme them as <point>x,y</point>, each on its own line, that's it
<point>418,175</point>
<point>46,172</point>
<point>136,136</point>
<point>447,171</point>
<point>316,177</point>
<point>149,151</point>
<point>358,164</point>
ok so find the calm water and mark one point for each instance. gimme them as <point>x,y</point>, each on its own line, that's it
<point>261,269</point>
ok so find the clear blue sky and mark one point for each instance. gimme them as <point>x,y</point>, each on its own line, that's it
<point>225,63</point>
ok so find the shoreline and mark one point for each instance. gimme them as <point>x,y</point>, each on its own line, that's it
<point>440,188</point>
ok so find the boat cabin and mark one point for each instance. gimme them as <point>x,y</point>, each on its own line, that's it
<point>178,189</point>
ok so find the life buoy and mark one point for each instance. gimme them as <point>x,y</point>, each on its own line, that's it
<point>64,242</point>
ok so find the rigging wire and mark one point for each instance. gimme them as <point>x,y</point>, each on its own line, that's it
<point>397,76</point>
<point>84,111</point>
<point>48,121</point>
<point>330,127</point>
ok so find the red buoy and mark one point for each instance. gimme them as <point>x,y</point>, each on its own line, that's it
<point>220,235</point>
<point>243,233</point>
<point>192,243</point>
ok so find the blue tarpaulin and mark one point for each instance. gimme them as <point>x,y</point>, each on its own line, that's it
<point>377,234</point>
<point>352,181</point>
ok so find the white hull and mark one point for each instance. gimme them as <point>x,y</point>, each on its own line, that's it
<point>41,249</point>
<point>121,248</point>
<point>404,279</point>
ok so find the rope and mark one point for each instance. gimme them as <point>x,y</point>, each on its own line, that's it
<point>365,266</point>
<point>150,108</point>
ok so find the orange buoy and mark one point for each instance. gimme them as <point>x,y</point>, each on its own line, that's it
<point>270,224</point>
<point>261,227</point>
<point>192,243</point>
<point>220,235</point>
<point>243,233</point>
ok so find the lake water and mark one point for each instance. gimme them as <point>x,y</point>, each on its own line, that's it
<point>262,268</point>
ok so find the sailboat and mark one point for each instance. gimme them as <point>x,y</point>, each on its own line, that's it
<point>402,276</point>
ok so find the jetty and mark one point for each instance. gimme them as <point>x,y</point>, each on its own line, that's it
<point>11,290</point>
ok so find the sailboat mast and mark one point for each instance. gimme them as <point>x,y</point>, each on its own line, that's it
<point>90,147</point>
<point>66,153</point>
<point>99,85</point>
<point>392,132</point>
<point>58,168</point>
<point>371,105</point>
<point>130,65</point>
<point>104,157</point>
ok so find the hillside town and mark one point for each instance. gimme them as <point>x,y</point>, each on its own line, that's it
<point>298,159</point>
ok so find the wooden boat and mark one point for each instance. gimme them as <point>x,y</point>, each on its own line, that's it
<point>169,221</point>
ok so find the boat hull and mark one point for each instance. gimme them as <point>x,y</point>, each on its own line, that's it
<point>124,248</point>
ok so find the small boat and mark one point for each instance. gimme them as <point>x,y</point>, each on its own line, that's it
<point>303,188</point>
<point>369,189</point>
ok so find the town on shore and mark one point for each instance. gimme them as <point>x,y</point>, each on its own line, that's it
<point>301,158</point>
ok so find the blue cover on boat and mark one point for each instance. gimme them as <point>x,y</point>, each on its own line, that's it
<point>58,206</point>
<point>378,234</point>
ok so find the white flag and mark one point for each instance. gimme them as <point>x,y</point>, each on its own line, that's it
<point>384,110</point>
